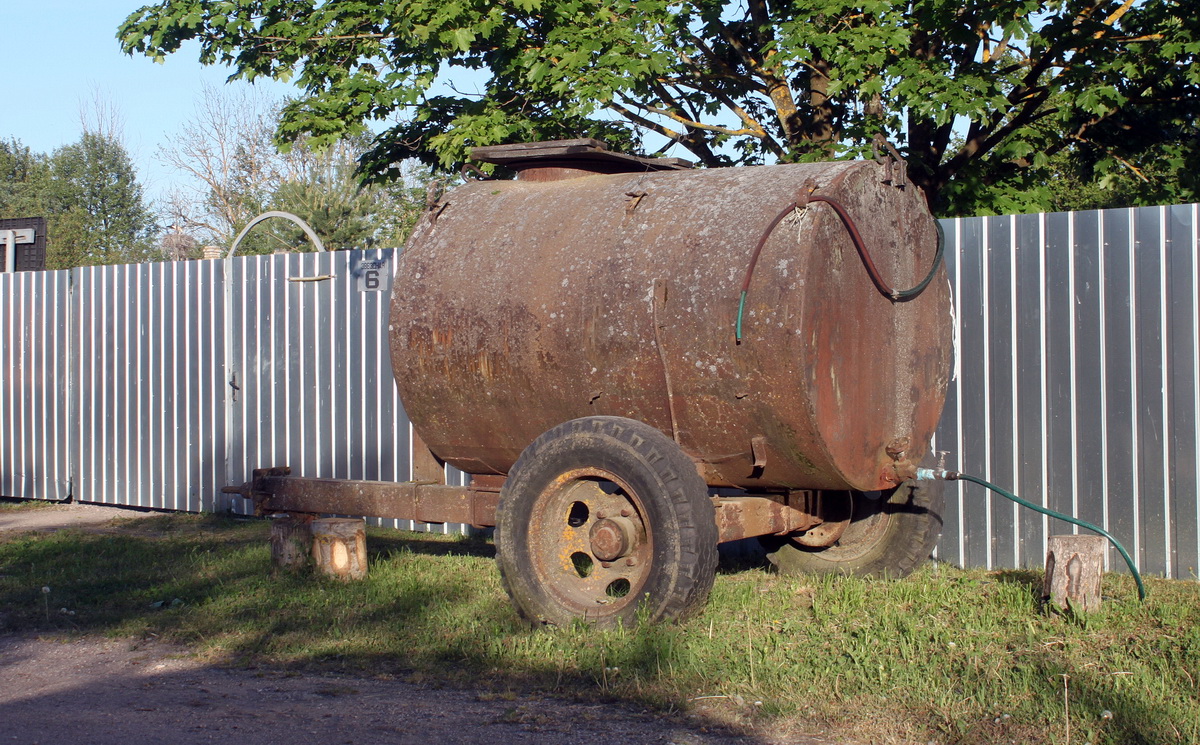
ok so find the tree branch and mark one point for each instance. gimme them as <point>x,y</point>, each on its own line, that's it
<point>718,62</point>
<point>344,37</point>
<point>728,102</point>
<point>777,88</point>
<point>692,141</point>
<point>1136,171</point>
<point>642,121</point>
<point>1002,47</point>
<point>752,65</point>
<point>753,127</point>
<point>761,18</point>
<point>1135,39</point>
<point>1116,15</point>
<point>673,116</point>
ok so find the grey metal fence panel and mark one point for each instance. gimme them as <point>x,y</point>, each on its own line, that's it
<point>1152,382</point>
<point>967,401</point>
<point>1077,383</point>
<point>1183,349</point>
<point>1080,237</point>
<point>148,429</point>
<point>1030,462</point>
<point>34,415</point>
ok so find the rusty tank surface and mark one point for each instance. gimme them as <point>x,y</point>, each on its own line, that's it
<point>571,292</point>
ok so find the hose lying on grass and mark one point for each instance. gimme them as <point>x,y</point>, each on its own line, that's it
<point>930,474</point>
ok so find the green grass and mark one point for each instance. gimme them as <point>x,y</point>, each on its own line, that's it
<point>945,655</point>
<point>9,503</point>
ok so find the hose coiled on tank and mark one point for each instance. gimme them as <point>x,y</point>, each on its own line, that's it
<point>886,290</point>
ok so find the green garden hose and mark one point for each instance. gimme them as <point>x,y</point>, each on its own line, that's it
<point>928,474</point>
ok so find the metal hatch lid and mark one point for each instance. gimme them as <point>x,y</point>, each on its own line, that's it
<point>554,160</point>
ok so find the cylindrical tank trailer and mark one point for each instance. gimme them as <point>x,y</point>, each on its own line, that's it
<point>575,329</point>
<point>645,360</point>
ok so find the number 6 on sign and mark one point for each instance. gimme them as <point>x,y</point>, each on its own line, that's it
<point>372,275</point>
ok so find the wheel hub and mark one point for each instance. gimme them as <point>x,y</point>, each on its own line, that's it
<point>612,538</point>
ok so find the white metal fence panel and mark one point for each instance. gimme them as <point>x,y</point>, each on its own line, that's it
<point>34,375</point>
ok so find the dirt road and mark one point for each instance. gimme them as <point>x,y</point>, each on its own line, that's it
<point>116,692</point>
<point>47,517</point>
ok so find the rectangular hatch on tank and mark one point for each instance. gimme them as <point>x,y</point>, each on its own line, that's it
<point>556,160</point>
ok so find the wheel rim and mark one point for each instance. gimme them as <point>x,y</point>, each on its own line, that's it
<point>589,542</point>
<point>868,524</point>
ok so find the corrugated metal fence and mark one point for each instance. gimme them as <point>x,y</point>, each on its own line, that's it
<point>1078,380</point>
<point>154,385</point>
<point>1078,383</point>
<point>146,364</point>
<point>34,385</point>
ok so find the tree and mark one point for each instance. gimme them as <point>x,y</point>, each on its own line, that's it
<point>1085,177</point>
<point>178,245</point>
<point>99,214</point>
<point>977,94</point>
<point>229,164</point>
<point>325,192</point>
<point>88,193</point>
<point>1165,177</point>
<point>233,172</point>
<point>23,176</point>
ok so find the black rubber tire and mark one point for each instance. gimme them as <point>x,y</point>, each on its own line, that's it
<point>888,536</point>
<point>626,466</point>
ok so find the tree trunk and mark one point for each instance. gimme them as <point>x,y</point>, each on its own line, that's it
<point>340,547</point>
<point>1074,565</point>
<point>817,132</point>
<point>291,542</point>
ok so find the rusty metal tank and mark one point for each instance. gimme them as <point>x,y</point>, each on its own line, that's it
<point>521,304</point>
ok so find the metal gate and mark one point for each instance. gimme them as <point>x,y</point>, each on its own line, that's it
<point>308,377</point>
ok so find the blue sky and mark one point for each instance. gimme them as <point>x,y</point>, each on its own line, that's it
<point>59,53</point>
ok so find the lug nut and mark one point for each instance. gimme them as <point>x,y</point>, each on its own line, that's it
<point>626,512</point>
<point>606,564</point>
<point>631,562</point>
<point>601,514</point>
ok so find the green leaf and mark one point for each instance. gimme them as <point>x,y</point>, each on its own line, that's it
<point>463,38</point>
